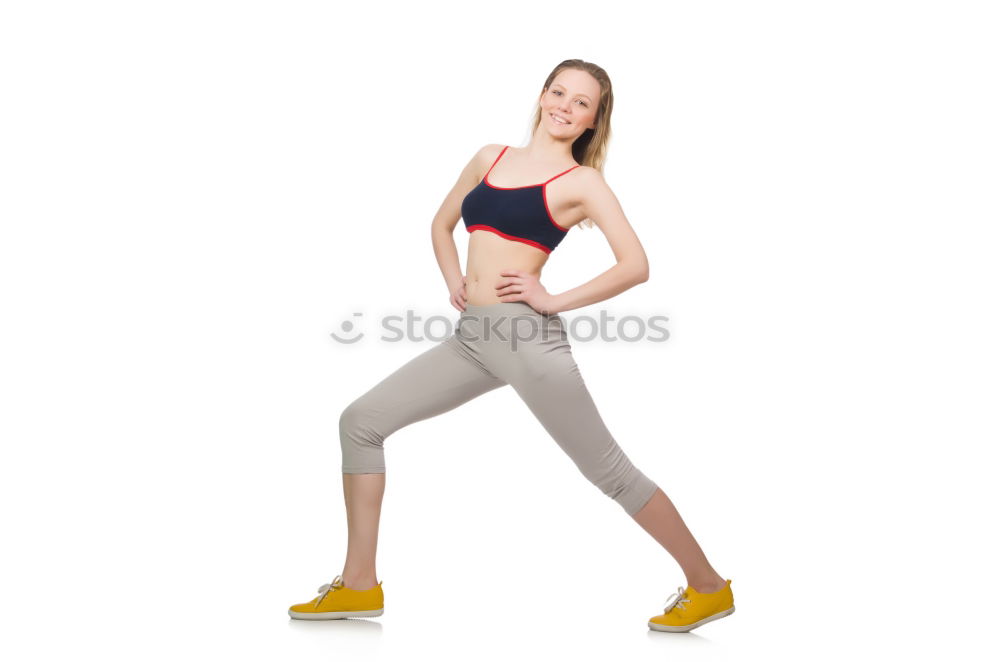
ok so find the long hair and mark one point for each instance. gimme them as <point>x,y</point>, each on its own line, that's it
<point>591,148</point>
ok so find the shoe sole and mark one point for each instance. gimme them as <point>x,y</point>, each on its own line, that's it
<point>688,628</point>
<point>332,615</point>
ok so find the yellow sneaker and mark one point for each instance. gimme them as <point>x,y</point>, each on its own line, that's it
<point>689,609</point>
<point>337,601</point>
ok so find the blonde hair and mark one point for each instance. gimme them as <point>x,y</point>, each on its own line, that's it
<point>591,148</point>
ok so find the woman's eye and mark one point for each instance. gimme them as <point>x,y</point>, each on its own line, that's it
<point>582,102</point>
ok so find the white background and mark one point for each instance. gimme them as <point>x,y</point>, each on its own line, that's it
<point>195,194</point>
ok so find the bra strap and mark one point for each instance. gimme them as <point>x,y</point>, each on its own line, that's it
<point>561,174</point>
<point>495,161</point>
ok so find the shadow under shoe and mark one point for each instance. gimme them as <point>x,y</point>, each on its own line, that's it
<point>690,609</point>
<point>337,601</point>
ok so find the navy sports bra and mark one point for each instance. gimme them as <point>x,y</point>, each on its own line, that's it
<point>519,213</point>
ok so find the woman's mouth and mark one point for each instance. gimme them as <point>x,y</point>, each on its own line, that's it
<point>556,120</point>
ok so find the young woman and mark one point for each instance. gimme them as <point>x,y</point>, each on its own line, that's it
<point>518,205</point>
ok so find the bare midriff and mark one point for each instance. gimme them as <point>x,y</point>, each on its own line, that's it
<point>489,254</point>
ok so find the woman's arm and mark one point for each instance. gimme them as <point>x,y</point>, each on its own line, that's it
<point>600,204</point>
<point>443,225</point>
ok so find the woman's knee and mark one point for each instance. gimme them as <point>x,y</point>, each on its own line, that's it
<point>623,482</point>
<point>361,439</point>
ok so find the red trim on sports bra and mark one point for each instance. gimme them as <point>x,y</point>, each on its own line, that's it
<point>486,179</point>
<point>492,229</point>
<point>494,163</point>
<point>548,212</point>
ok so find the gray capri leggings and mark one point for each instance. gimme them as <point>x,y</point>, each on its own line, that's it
<point>492,346</point>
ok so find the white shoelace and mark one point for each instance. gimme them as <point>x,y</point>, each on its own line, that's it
<point>326,588</point>
<point>678,600</point>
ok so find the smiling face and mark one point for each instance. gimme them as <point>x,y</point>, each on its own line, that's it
<point>569,105</point>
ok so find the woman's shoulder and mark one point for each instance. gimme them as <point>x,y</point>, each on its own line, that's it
<point>486,155</point>
<point>588,176</point>
<point>585,184</point>
<point>491,150</point>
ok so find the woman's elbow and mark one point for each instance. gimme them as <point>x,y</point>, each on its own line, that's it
<point>634,272</point>
<point>640,273</point>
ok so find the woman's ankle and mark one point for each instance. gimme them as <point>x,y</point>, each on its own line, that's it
<point>711,585</point>
<point>359,582</point>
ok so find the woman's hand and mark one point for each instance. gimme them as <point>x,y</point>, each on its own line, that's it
<point>458,297</point>
<point>523,286</point>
